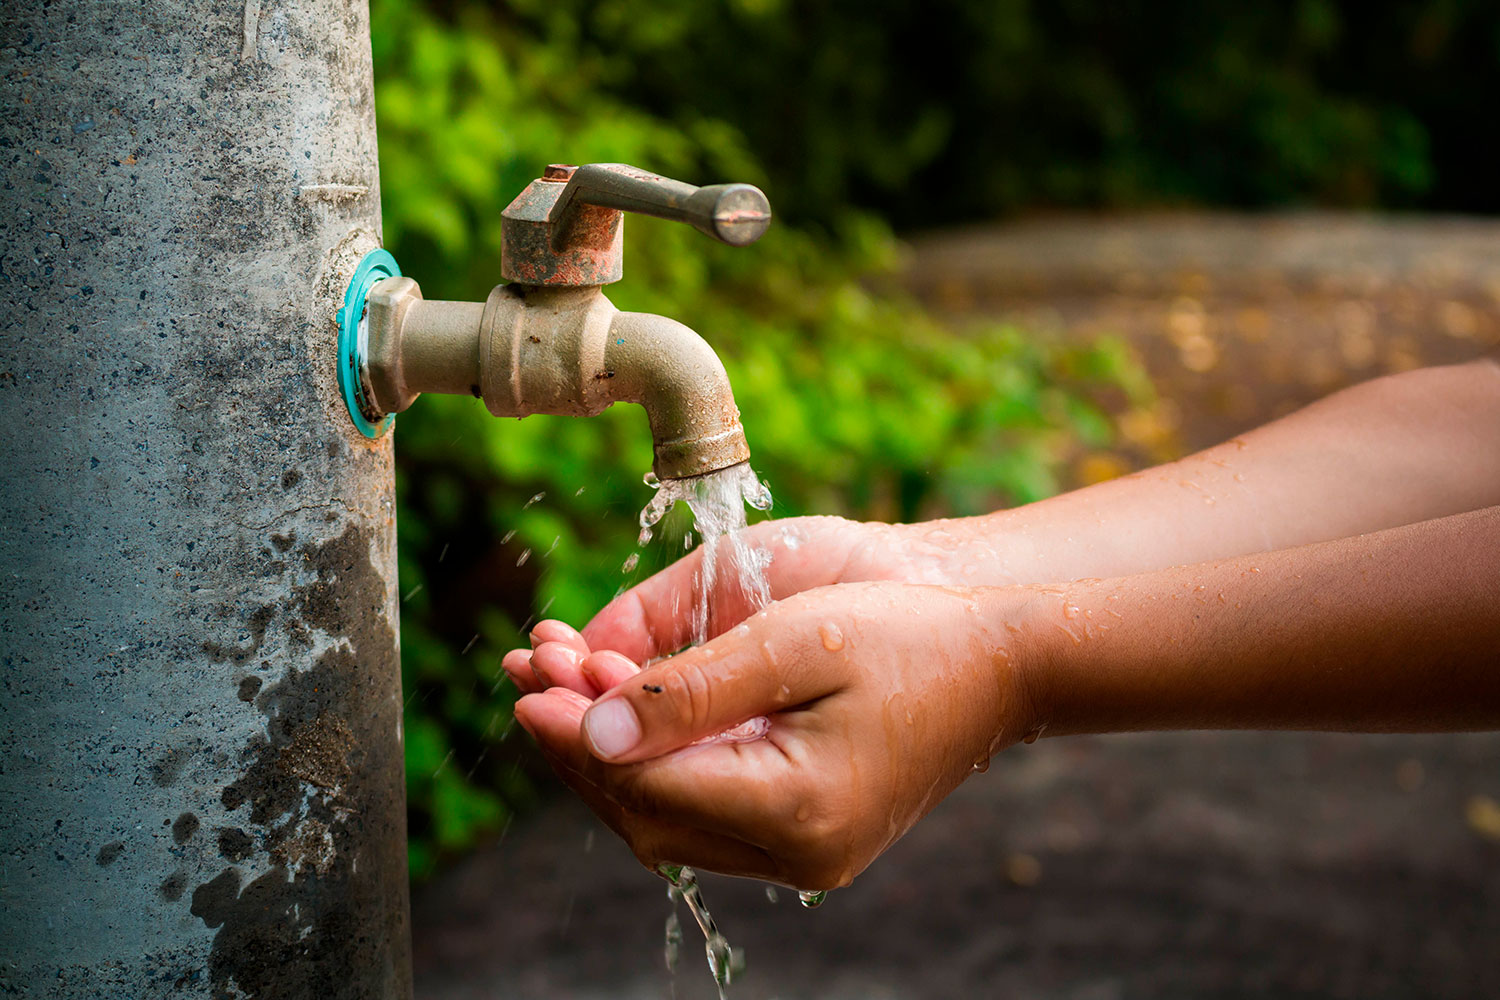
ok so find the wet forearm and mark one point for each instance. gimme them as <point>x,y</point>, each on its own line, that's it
<point>1398,630</point>
<point>1393,451</point>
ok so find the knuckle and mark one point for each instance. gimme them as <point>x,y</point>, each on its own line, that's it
<point>687,694</point>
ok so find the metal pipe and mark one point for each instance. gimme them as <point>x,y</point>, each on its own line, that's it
<point>201,789</point>
<point>559,350</point>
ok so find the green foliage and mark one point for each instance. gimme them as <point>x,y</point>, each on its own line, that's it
<point>948,110</point>
<point>853,401</point>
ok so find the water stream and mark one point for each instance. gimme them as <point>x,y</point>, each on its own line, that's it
<point>717,502</point>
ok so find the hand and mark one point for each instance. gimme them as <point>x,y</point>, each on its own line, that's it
<point>880,699</point>
<point>655,618</point>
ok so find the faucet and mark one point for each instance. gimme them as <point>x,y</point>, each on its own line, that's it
<point>548,341</point>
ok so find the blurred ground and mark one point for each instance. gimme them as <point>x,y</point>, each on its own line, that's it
<point>1157,866</point>
<point>1239,319</point>
<point>1152,866</point>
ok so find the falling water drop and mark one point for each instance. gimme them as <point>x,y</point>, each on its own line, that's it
<point>723,962</point>
<point>674,933</point>
<point>631,561</point>
<point>812,898</point>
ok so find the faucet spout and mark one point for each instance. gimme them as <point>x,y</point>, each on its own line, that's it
<point>672,372</point>
<point>557,350</point>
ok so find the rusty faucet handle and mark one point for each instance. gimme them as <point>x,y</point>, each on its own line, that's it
<point>737,214</point>
<point>566,229</point>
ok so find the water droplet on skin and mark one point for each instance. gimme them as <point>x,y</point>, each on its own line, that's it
<point>1034,735</point>
<point>631,562</point>
<point>833,639</point>
<point>812,899</point>
<point>982,765</point>
<point>651,480</point>
<point>804,812</point>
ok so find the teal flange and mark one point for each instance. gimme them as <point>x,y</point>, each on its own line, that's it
<point>377,265</point>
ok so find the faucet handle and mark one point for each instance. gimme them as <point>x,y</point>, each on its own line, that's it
<point>565,228</point>
<point>737,214</point>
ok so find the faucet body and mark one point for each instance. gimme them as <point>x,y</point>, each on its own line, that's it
<point>564,350</point>
<point>550,342</point>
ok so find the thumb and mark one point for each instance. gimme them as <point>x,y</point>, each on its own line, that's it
<point>707,690</point>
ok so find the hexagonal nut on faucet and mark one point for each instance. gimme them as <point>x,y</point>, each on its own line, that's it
<point>386,309</point>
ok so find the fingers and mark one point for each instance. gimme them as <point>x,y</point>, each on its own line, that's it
<point>652,618</point>
<point>517,666</point>
<point>553,718</point>
<point>558,667</point>
<point>552,630</point>
<point>758,671</point>
<point>655,618</point>
<point>608,669</point>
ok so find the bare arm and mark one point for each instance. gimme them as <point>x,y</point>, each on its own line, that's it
<point>879,698</point>
<point>1389,452</point>
<point>1397,630</point>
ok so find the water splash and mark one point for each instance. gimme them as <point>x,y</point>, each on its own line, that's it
<point>717,502</point>
<point>723,961</point>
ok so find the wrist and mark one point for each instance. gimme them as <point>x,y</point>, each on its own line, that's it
<point>1023,627</point>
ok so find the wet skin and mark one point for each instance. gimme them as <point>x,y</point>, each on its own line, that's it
<point>1334,570</point>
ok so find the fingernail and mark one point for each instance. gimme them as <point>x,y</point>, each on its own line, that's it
<point>612,728</point>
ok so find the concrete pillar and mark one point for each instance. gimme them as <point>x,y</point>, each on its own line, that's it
<point>201,785</point>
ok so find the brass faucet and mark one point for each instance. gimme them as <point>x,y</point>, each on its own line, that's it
<point>548,341</point>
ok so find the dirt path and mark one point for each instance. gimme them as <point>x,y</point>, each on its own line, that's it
<point>1152,867</point>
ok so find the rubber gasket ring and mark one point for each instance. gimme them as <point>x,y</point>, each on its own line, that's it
<point>377,265</point>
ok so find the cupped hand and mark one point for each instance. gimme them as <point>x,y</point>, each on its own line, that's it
<point>880,698</point>
<point>655,618</point>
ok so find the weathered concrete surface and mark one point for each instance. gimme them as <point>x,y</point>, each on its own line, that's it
<point>200,749</point>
